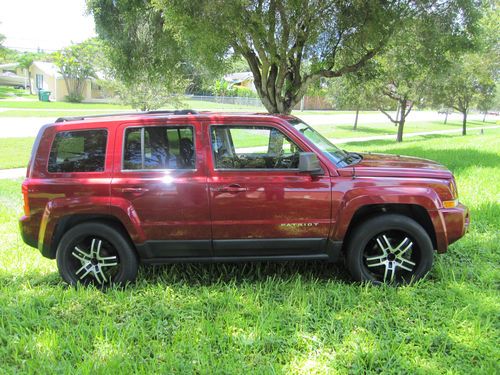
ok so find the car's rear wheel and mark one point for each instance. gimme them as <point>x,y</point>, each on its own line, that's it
<point>96,253</point>
<point>389,249</point>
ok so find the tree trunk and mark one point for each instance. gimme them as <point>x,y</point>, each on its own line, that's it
<point>401,122</point>
<point>355,127</point>
<point>484,117</point>
<point>29,82</point>
<point>464,123</point>
<point>446,117</point>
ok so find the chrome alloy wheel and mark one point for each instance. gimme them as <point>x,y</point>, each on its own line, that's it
<point>98,262</point>
<point>391,256</point>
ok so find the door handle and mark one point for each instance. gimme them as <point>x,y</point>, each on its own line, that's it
<point>134,190</point>
<point>233,188</point>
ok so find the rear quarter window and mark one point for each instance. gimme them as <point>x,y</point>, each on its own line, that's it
<point>78,151</point>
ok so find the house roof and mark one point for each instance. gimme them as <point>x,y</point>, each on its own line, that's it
<point>238,77</point>
<point>48,68</point>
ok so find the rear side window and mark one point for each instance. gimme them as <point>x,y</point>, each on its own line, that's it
<point>159,147</point>
<point>78,151</point>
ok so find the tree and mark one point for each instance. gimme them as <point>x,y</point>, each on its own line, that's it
<point>352,92</point>
<point>145,94</point>
<point>287,44</point>
<point>472,78</point>
<point>402,77</point>
<point>142,56</point>
<point>25,61</point>
<point>468,83</point>
<point>78,63</point>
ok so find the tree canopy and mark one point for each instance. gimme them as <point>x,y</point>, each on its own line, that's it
<point>77,63</point>
<point>287,43</point>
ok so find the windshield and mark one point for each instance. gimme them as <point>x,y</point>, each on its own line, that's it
<point>333,153</point>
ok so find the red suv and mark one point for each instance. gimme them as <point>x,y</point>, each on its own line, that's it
<point>103,193</point>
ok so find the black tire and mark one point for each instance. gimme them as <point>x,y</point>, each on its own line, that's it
<point>110,245</point>
<point>368,258</point>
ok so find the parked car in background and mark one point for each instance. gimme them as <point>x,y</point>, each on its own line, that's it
<point>103,193</point>
<point>12,79</point>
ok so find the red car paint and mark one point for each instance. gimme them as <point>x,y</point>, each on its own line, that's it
<point>200,212</point>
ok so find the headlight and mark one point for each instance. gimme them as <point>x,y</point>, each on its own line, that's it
<point>453,189</point>
<point>454,194</point>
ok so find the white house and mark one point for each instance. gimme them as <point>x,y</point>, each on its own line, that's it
<point>46,76</point>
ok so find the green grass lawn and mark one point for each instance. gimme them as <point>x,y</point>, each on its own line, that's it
<point>291,318</point>
<point>7,92</point>
<point>15,152</point>
<point>374,129</point>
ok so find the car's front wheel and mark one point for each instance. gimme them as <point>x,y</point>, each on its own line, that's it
<point>96,253</point>
<point>389,248</point>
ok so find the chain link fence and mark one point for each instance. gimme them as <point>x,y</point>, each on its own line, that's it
<point>233,100</point>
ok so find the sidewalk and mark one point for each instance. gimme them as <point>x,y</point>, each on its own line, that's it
<point>12,173</point>
<point>21,172</point>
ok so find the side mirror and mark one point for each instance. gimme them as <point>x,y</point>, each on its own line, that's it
<point>309,163</point>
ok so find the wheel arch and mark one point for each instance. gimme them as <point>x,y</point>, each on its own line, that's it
<point>413,211</point>
<point>67,222</point>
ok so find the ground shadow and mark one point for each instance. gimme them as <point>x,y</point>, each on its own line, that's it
<point>242,272</point>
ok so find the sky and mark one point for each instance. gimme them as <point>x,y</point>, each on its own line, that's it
<point>45,24</point>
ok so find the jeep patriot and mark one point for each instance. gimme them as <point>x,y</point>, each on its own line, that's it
<point>104,193</point>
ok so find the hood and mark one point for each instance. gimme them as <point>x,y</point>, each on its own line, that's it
<point>385,165</point>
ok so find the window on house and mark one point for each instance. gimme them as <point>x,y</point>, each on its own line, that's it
<point>39,81</point>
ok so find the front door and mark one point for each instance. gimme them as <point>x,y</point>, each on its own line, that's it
<point>161,183</point>
<point>261,205</point>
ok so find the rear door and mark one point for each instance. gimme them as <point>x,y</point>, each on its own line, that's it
<point>161,182</point>
<point>261,205</point>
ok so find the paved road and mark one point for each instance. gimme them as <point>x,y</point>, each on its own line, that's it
<point>29,126</point>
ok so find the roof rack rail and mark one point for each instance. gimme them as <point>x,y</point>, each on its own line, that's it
<point>159,112</point>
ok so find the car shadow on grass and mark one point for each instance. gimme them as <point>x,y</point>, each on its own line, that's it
<point>242,272</point>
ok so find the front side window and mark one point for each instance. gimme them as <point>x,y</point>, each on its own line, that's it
<point>159,147</point>
<point>78,151</point>
<point>253,147</point>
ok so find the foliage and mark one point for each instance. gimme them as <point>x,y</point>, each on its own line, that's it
<point>402,77</point>
<point>145,61</point>
<point>78,63</point>
<point>25,60</point>
<point>276,37</point>
<point>222,87</point>
<point>245,92</point>
<point>287,44</point>
<point>148,93</point>
<point>469,83</point>
<point>290,318</point>
<point>472,78</point>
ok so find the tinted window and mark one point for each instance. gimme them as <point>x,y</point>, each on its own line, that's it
<point>253,147</point>
<point>159,147</point>
<point>78,151</point>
